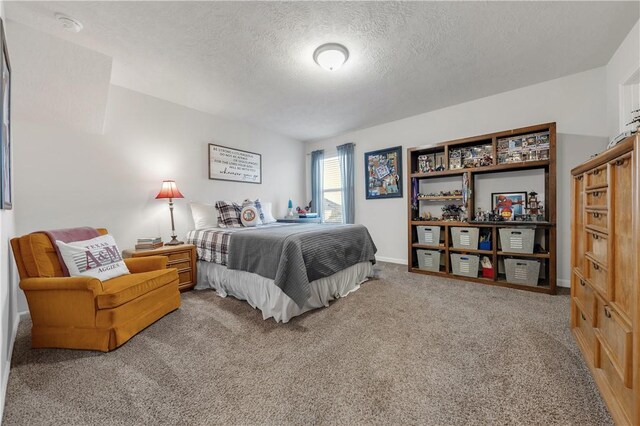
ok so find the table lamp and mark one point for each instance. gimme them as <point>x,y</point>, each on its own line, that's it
<point>170,190</point>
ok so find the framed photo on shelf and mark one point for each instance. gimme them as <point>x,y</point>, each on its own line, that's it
<point>383,173</point>
<point>6,187</point>
<point>509,204</point>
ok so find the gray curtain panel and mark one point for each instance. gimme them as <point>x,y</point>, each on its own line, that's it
<point>317,159</point>
<point>345,154</point>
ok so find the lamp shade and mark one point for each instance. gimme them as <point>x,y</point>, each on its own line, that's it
<point>169,190</point>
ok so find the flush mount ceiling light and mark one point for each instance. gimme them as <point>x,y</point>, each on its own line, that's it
<point>331,56</point>
<point>68,23</point>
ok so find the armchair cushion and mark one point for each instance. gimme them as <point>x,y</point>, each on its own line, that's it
<point>125,288</point>
<point>146,264</point>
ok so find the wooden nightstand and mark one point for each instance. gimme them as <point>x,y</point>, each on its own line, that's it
<point>182,257</point>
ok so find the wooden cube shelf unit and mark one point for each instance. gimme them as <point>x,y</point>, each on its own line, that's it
<point>547,228</point>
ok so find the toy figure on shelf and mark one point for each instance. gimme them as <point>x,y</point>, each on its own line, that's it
<point>440,167</point>
<point>534,205</point>
<point>452,212</point>
<point>304,210</point>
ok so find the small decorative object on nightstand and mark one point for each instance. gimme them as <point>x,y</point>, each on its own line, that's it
<point>170,190</point>
<point>182,257</point>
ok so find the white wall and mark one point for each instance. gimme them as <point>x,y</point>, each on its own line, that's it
<point>576,102</point>
<point>8,285</point>
<point>66,176</point>
<point>622,65</point>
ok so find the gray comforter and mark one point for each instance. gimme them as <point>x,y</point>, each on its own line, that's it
<point>293,256</point>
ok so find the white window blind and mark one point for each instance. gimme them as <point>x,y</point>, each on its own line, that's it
<point>332,190</point>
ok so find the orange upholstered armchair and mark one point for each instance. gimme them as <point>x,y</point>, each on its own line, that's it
<point>84,312</point>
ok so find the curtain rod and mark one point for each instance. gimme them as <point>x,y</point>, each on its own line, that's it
<point>309,153</point>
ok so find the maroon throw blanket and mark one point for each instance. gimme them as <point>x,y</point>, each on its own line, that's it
<point>67,236</point>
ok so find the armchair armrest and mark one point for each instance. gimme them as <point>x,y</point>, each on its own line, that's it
<point>146,263</point>
<point>62,283</point>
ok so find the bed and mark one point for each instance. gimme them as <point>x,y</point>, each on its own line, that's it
<point>284,269</point>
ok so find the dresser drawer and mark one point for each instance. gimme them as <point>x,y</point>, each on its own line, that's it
<point>597,198</point>
<point>616,340</point>
<point>623,395</point>
<point>597,176</point>
<point>585,295</point>
<point>598,277</point>
<point>597,246</point>
<point>584,331</point>
<point>597,218</point>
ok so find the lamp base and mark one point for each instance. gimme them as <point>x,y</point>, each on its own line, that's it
<point>174,242</point>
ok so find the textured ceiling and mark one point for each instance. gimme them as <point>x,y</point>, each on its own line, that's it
<point>252,61</point>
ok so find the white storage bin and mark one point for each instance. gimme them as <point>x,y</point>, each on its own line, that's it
<point>517,240</point>
<point>466,265</point>
<point>521,271</point>
<point>429,260</point>
<point>462,238</point>
<point>429,235</point>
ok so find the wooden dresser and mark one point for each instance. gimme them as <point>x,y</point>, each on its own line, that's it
<point>606,277</point>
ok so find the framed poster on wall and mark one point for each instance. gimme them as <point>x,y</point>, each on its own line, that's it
<point>234,165</point>
<point>383,173</point>
<point>6,188</point>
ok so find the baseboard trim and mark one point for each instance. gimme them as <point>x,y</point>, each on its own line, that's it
<point>563,283</point>
<point>391,260</point>
<point>7,367</point>
<point>24,315</point>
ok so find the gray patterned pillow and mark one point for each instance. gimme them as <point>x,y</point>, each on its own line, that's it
<point>228,214</point>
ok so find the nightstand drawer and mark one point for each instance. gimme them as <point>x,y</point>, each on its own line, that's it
<point>584,293</point>
<point>179,264</point>
<point>597,198</point>
<point>185,276</point>
<point>181,255</point>
<point>597,246</point>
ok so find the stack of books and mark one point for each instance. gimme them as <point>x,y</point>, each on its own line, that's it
<point>149,243</point>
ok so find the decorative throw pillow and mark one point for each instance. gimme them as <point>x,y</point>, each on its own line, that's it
<point>204,215</point>
<point>98,257</point>
<point>228,214</point>
<point>255,204</point>
<point>268,215</point>
<point>250,216</point>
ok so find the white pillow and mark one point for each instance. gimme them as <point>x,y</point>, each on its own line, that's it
<point>268,215</point>
<point>250,216</point>
<point>204,215</point>
<point>98,257</point>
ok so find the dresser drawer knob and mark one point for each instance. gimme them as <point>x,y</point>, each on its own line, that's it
<point>620,162</point>
<point>596,172</point>
<point>596,214</point>
<point>607,312</point>
<point>596,194</point>
<point>595,236</point>
<point>596,266</point>
<point>582,283</point>
<point>580,177</point>
<point>583,317</point>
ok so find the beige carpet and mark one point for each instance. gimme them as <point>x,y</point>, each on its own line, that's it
<point>404,349</point>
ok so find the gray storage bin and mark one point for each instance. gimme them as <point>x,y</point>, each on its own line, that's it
<point>521,271</point>
<point>429,235</point>
<point>466,265</point>
<point>517,240</point>
<point>462,238</point>
<point>429,260</point>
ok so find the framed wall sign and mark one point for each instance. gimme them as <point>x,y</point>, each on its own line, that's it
<point>383,173</point>
<point>234,165</point>
<point>6,188</point>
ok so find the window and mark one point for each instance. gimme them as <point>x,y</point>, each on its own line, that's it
<point>332,190</point>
